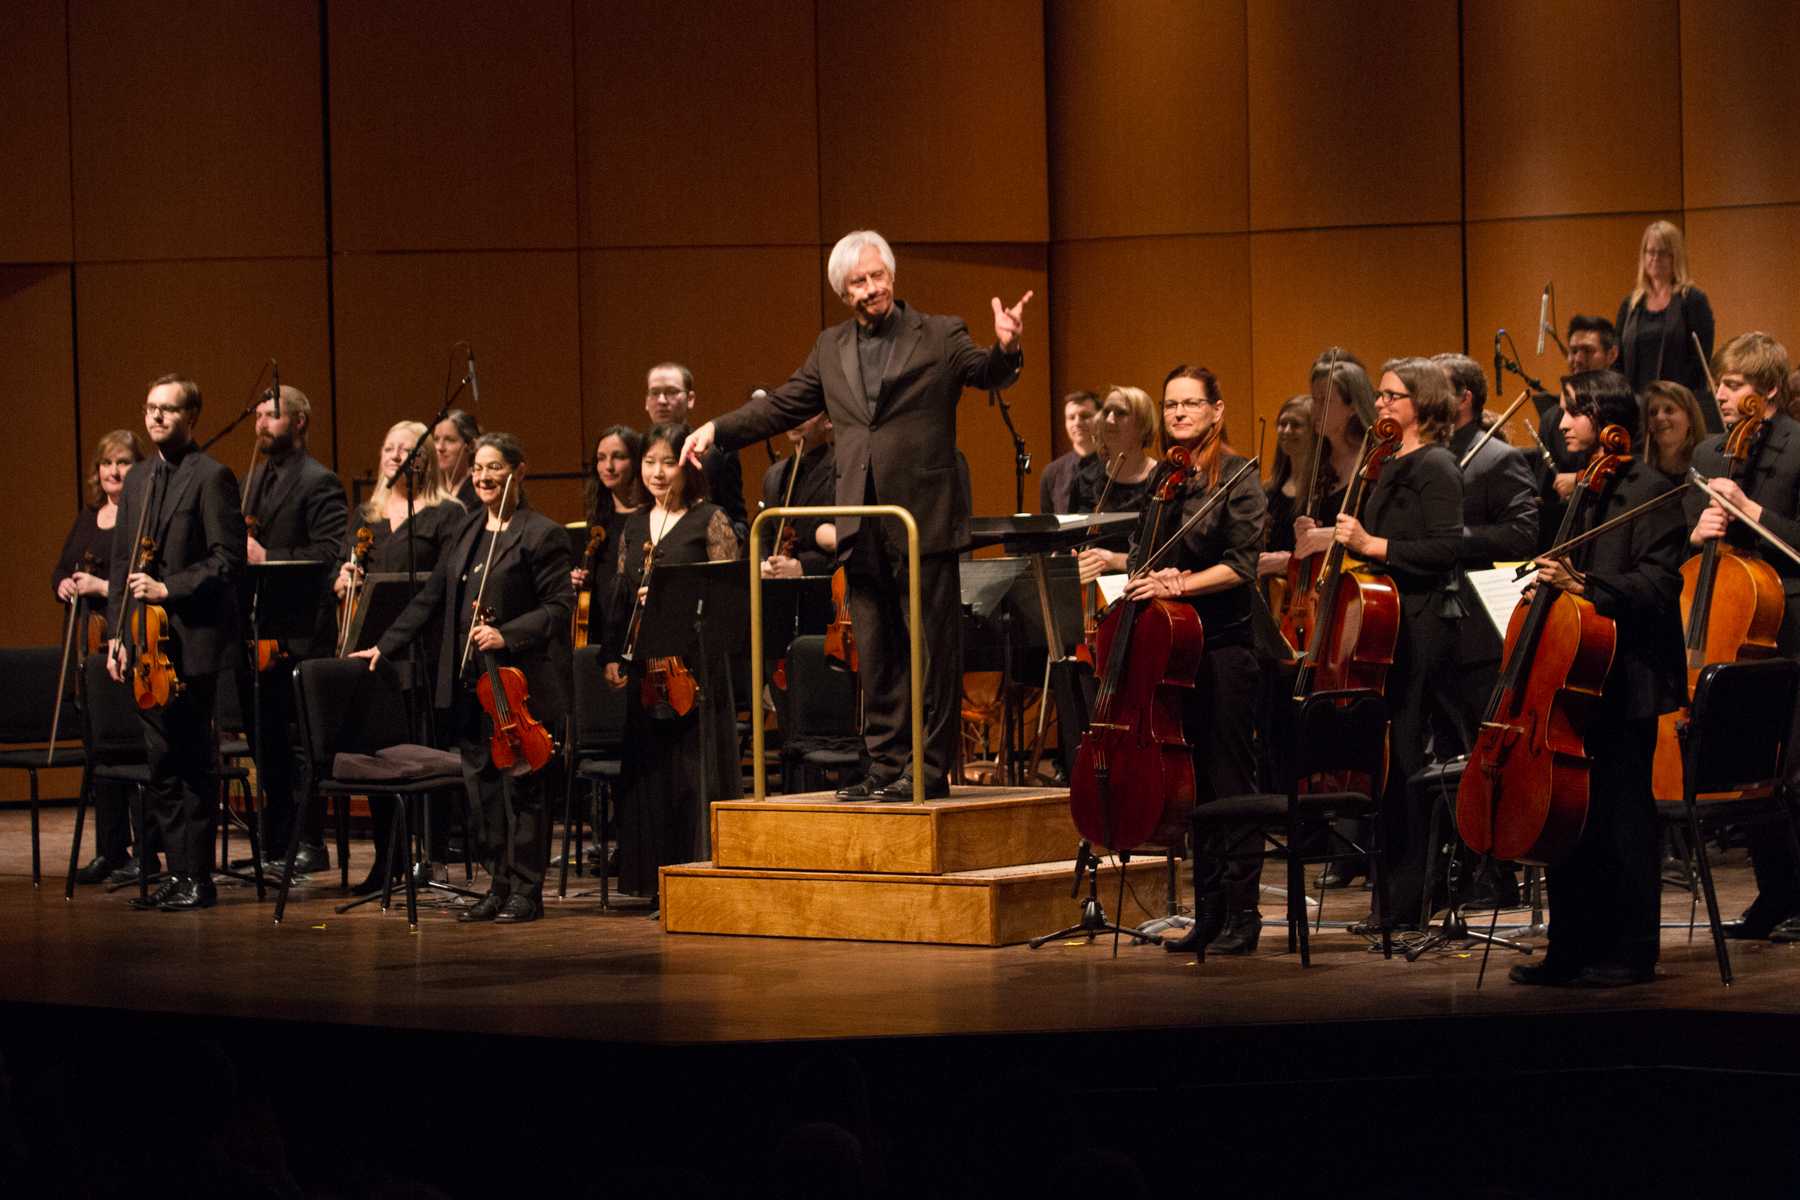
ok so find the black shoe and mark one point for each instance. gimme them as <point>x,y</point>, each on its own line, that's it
<point>309,859</point>
<point>1759,921</point>
<point>1340,875</point>
<point>901,790</point>
<point>128,874</point>
<point>170,886</point>
<point>98,870</point>
<point>1785,932</point>
<point>1543,974</point>
<point>484,909</point>
<point>519,908</point>
<point>1209,919</point>
<point>1242,930</point>
<point>191,894</point>
<point>1370,927</point>
<point>1613,975</point>
<point>864,789</point>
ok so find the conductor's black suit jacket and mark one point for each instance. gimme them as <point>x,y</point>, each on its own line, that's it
<point>199,534</point>
<point>903,449</point>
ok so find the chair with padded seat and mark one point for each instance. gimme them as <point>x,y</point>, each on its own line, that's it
<point>28,707</point>
<point>820,741</point>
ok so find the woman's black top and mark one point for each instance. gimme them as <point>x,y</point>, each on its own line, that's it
<point>1417,506</point>
<point>701,534</point>
<point>1231,533</point>
<point>85,537</point>
<point>1090,485</point>
<point>1281,510</point>
<point>433,529</point>
<point>1660,345</point>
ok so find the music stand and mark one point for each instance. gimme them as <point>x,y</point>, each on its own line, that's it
<point>286,596</point>
<point>695,610</point>
<point>383,596</point>
<point>792,608</point>
<point>1021,594</point>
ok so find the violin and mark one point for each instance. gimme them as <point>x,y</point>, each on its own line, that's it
<point>1524,793</point>
<point>153,678</point>
<point>1732,605</point>
<point>518,743</point>
<point>578,628</point>
<point>840,638</point>
<point>359,553</point>
<point>1134,773</point>
<point>1356,614</point>
<point>668,683</point>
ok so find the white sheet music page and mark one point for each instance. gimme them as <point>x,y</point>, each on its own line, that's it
<point>1499,593</point>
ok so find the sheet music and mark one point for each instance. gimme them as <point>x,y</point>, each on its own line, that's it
<point>1112,586</point>
<point>1499,593</point>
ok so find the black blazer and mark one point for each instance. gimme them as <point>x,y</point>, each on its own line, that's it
<point>1417,506</point>
<point>1634,577</point>
<point>530,594</point>
<point>199,534</point>
<point>904,450</point>
<point>1500,518</point>
<point>1688,313</point>
<point>1774,483</point>
<point>303,516</point>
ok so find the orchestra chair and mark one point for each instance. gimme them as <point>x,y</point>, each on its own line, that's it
<point>236,762</point>
<point>820,742</point>
<point>357,727</point>
<point>1734,751</point>
<point>1338,733</point>
<point>27,709</point>
<point>596,747</point>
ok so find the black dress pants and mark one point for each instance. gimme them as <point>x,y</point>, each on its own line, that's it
<point>511,834</point>
<point>1422,693</point>
<point>183,797</point>
<point>1218,719</point>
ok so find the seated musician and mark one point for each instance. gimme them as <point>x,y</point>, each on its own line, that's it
<point>1752,371</point>
<point>815,541</point>
<point>1605,906</point>
<point>1056,487</point>
<point>1120,478</point>
<point>81,574</point>
<point>514,560</point>
<point>613,494</point>
<point>436,521</point>
<point>1675,426</point>
<point>1411,531</point>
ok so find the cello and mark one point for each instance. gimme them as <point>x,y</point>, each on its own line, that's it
<point>1732,604</point>
<point>1523,796</point>
<point>1134,773</point>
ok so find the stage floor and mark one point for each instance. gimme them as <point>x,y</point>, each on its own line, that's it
<point>582,973</point>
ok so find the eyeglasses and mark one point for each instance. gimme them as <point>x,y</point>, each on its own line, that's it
<point>1192,403</point>
<point>667,393</point>
<point>494,469</point>
<point>1390,397</point>
<point>1653,252</point>
<point>166,410</point>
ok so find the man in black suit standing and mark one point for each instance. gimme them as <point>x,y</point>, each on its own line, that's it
<point>192,501</point>
<point>890,378</point>
<point>296,511</point>
<point>669,396</point>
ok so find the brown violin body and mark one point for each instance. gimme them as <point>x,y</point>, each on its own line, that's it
<point>518,742</point>
<point>840,637</point>
<point>584,599</point>
<point>1298,604</point>
<point>153,678</point>
<point>669,684</point>
<point>1359,634</point>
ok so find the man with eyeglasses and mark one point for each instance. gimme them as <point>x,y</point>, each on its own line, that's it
<point>669,396</point>
<point>193,517</point>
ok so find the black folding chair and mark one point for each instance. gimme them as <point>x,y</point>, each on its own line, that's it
<point>1734,758</point>
<point>28,705</point>
<point>596,751</point>
<point>819,739</point>
<point>1342,734</point>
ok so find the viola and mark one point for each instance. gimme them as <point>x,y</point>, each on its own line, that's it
<point>1134,773</point>
<point>584,602</point>
<point>1524,793</point>
<point>518,742</point>
<point>359,554</point>
<point>668,682</point>
<point>840,638</point>
<point>1731,604</point>
<point>153,678</point>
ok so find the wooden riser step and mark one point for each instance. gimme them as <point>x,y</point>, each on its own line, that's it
<point>976,828</point>
<point>997,907</point>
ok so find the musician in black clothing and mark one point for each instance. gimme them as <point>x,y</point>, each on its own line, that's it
<point>1118,478</point>
<point>615,492</point>
<point>815,540</point>
<point>1593,346</point>
<point>1752,370</point>
<point>453,445</point>
<point>1056,488</point>
<point>81,577</point>
<point>296,511</point>
<point>1604,898</point>
<point>1412,532</point>
<point>669,398</point>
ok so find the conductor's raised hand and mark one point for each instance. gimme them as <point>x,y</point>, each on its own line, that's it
<point>698,443</point>
<point>1009,323</point>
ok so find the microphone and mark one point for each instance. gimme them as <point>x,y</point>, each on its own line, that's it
<point>1543,317</point>
<point>474,384</point>
<point>1499,364</point>
<point>275,391</point>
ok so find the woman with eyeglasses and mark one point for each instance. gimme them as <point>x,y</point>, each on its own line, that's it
<point>614,493</point>
<point>1411,531</point>
<point>1661,317</point>
<point>1118,477</point>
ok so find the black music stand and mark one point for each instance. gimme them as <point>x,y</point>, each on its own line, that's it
<point>383,596</point>
<point>285,599</point>
<point>1019,594</point>
<point>793,608</point>
<point>695,610</point>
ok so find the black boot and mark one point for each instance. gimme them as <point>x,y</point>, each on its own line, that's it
<point>1240,935</point>
<point>1209,918</point>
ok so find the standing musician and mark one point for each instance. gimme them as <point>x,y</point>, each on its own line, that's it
<point>1413,533</point>
<point>1120,477</point>
<point>1605,909</point>
<point>1593,346</point>
<point>1752,370</point>
<point>524,557</point>
<point>891,378</point>
<point>1056,488</point>
<point>613,494</point>
<point>815,540</point>
<point>1287,479</point>
<point>296,510</point>
<point>453,442</point>
<point>670,399</point>
<point>1213,568</point>
<point>191,504</point>
<point>81,577</point>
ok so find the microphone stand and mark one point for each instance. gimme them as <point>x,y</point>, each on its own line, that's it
<point>257,396</point>
<point>1021,456</point>
<point>1512,363</point>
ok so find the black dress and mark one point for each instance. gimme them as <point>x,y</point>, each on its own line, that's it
<point>1090,486</point>
<point>606,591</point>
<point>673,766</point>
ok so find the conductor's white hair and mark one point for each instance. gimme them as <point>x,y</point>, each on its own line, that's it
<point>849,249</point>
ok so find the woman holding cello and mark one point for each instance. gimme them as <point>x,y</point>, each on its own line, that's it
<point>1604,896</point>
<point>514,562</point>
<point>665,744</point>
<point>1411,531</point>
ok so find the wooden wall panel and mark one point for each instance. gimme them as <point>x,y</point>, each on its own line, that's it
<point>197,129</point>
<point>34,313</point>
<point>34,137</point>
<point>931,120</point>
<point>1172,74</point>
<point>452,125</point>
<point>1353,113</point>
<point>1533,149</point>
<point>961,281</point>
<point>1743,258</point>
<point>698,122</point>
<point>399,315</point>
<point>1399,291</point>
<point>136,321</point>
<point>642,307</point>
<point>1592,261</point>
<point>1740,101</point>
<point>1125,312</point>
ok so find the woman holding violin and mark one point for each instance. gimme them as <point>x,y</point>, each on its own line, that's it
<point>513,562</point>
<point>1411,532</point>
<point>665,746</point>
<point>1343,401</point>
<point>80,581</point>
<point>1604,896</point>
<point>1751,370</point>
<point>613,494</point>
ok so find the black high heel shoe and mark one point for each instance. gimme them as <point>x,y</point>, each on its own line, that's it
<point>1209,919</point>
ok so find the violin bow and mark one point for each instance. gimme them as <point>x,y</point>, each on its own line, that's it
<point>1493,429</point>
<point>487,569</point>
<point>1206,506</point>
<point>1704,483</point>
